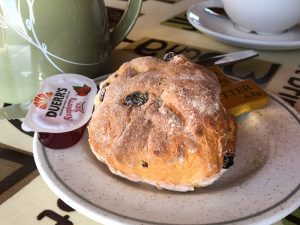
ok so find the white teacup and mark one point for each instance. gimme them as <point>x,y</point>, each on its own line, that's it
<point>265,17</point>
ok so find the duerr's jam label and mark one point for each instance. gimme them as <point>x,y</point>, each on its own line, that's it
<point>64,103</point>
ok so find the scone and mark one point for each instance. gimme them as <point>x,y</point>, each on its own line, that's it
<point>162,123</point>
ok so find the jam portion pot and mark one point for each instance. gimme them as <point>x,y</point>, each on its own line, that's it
<point>61,110</point>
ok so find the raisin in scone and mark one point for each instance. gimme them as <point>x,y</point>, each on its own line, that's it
<point>162,123</point>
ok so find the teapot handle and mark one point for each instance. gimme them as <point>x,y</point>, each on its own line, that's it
<point>126,23</point>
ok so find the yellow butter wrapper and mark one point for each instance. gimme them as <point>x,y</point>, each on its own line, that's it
<point>222,78</point>
<point>243,96</point>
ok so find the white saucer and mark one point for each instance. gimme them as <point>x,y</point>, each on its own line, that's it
<point>262,187</point>
<point>223,30</point>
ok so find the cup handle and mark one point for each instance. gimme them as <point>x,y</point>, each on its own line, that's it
<point>126,23</point>
<point>16,111</point>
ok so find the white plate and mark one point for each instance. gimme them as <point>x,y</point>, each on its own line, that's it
<point>223,30</point>
<point>262,187</point>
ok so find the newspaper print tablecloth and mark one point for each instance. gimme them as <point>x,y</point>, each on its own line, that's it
<point>161,27</point>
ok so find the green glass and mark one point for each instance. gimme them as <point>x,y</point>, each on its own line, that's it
<point>40,38</point>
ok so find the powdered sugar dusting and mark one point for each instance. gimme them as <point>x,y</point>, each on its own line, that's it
<point>183,99</point>
<point>187,94</point>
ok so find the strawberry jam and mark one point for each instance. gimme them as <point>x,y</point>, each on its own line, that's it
<point>61,110</point>
<point>61,140</point>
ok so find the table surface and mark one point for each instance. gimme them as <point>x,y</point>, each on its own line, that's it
<point>24,196</point>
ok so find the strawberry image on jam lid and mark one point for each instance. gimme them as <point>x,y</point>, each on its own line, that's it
<point>82,91</point>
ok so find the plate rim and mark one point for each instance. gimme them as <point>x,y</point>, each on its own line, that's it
<point>99,214</point>
<point>237,41</point>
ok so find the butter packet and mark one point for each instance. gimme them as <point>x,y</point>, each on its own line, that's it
<point>239,97</point>
<point>243,96</point>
